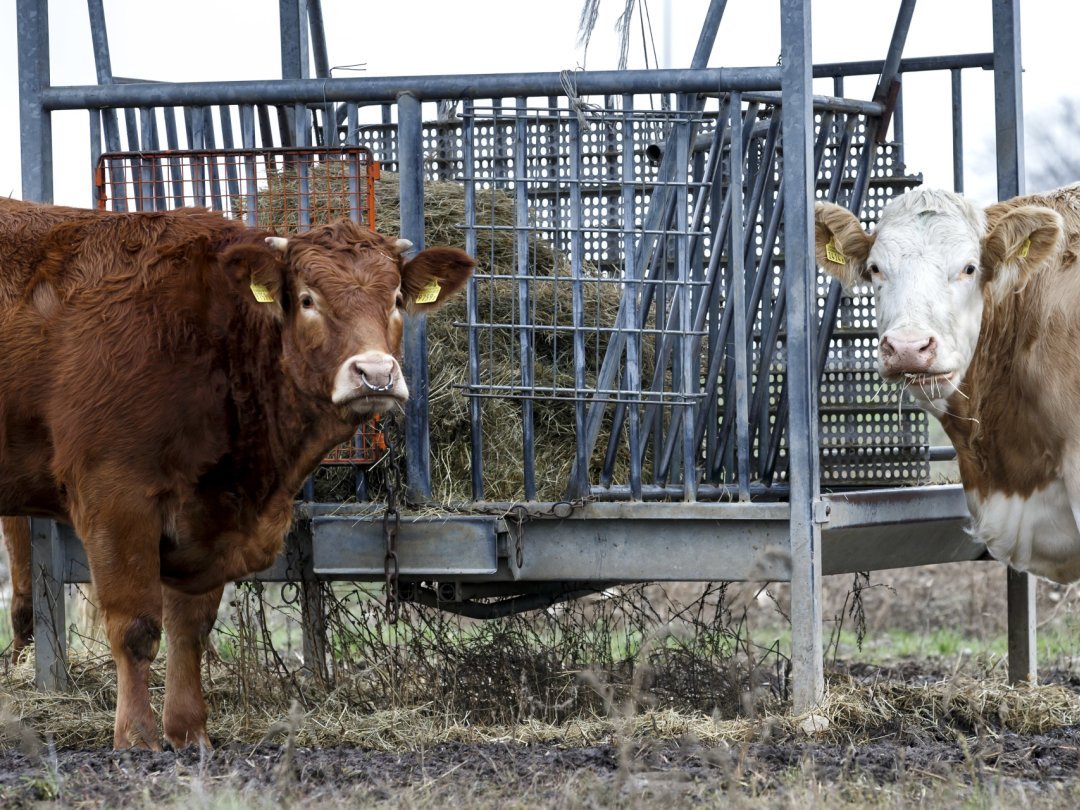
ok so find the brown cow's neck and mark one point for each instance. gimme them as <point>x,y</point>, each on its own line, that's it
<point>282,431</point>
<point>1002,443</point>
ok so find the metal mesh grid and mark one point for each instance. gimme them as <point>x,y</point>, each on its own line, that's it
<point>582,191</point>
<point>285,190</point>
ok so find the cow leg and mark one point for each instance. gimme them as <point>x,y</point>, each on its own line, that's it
<point>122,539</point>
<point>16,532</point>
<point>188,621</point>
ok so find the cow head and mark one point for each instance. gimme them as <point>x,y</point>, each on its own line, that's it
<point>935,260</point>
<point>340,292</point>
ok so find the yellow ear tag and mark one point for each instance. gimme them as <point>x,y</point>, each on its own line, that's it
<point>261,293</point>
<point>1024,248</point>
<point>833,254</point>
<point>430,293</point>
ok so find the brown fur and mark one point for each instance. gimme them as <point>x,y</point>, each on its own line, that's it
<point>147,398</point>
<point>1012,419</point>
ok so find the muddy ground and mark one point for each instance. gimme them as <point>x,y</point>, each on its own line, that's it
<point>491,772</point>
<point>920,758</point>
<point>895,765</point>
<point>497,773</point>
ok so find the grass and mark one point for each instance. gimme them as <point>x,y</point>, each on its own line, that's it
<point>690,710</point>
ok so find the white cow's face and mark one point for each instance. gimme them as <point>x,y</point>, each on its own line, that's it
<point>930,260</point>
<point>924,268</point>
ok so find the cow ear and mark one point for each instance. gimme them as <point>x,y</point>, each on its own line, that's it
<point>433,276</point>
<point>841,243</point>
<point>1019,241</point>
<point>259,269</point>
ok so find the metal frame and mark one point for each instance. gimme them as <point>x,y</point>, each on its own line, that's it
<point>798,540</point>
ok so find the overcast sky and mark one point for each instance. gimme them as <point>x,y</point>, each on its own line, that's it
<point>201,40</point>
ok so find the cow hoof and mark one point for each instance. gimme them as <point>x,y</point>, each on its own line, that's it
<point>178,742</point>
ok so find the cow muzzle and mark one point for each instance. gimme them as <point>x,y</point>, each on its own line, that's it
<point>370,381</point>
<point>904,354</point>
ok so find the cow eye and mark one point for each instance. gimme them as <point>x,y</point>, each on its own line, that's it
<point>874,269</point>
<point>969,270</point>
<point>306,301</point>
<point>399,302</point>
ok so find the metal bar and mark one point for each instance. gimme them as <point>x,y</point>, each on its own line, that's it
<point>97,185</point>
<point>632,372</point>
<point>1009,130</point>
<point>292,25</point>
<point>47,579</point>
<point>736,254</point>
<point>414,348</point>
<point>476,434</point>
<point>1008,99</point>
<point>799,279</point>
<point>374,90</point>
<point>579,484</point>
<point>957,131</point>
<point>1022,626</point>
<point>35,123</point>
<point>707,38</point>
<point>524,320</point>
<point>688,379</point>
<point>872,67</point>
<point>312,610</point>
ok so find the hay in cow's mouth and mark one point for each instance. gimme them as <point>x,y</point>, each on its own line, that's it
<point>941,382</point>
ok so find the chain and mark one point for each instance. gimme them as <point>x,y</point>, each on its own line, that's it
<point>391,522</point>
<point>520,514</point>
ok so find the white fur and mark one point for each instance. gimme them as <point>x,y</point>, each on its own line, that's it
<point>923,242</point>
<point>1037,534</point>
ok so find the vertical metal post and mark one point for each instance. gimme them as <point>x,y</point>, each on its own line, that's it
<point>35,123</point>
<point>1009,127</point>
<point>632,280</point>
<point>414,348</point>
<point>1008,99</point>
<point>47,573</point>
<point>736,256</point>
<point>292,16</point>
<point>801,321</point>
<point>469,170</point>
<point>312,610</point>
<point>957,131</point>
<point>525,325</point>
<point>579,485</point>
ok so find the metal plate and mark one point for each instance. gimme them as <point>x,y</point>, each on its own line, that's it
<point>344,545</point>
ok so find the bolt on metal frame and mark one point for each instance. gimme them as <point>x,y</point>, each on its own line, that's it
<point>727,416</point>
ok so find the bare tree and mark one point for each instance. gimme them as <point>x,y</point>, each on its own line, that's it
<point>1053,147</point>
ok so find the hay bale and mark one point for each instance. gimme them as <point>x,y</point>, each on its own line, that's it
<point>550,297</point>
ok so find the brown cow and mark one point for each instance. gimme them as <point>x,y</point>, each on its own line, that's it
<point>167,381</point>
<point>16,531</point>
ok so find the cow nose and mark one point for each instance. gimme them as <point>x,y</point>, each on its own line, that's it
<point>901,355</point>
<point>375,371</point>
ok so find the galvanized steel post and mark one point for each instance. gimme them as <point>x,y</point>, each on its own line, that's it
<point>1009,127</point>
<point>414,345</point>
<point>801,322</point>
<point>35,123</point>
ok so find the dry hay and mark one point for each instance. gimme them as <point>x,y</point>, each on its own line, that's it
<point>606,672</point>
<point>953,708</point>
<point>550,302</point>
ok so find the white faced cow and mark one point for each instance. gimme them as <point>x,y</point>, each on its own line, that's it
<point>979,315</point>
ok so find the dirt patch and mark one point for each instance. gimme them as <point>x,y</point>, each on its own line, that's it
<point>939,759</point>
<point>493,773</point>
